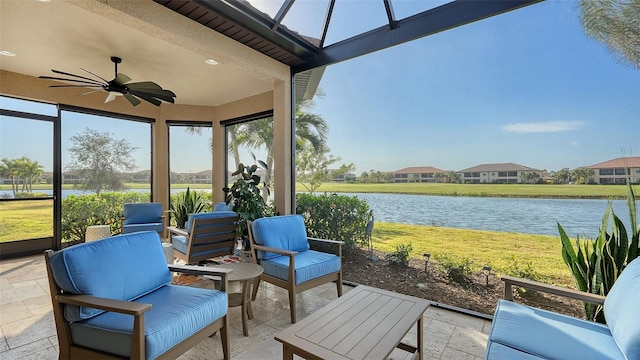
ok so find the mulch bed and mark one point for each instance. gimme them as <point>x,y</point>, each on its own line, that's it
<point>471,294</point>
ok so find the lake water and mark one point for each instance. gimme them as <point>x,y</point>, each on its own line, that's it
<point>520,215</point>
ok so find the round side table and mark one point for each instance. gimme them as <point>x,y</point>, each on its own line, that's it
<point>242,272</point>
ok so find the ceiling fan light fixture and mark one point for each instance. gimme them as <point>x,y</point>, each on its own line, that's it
<point>211,62</point>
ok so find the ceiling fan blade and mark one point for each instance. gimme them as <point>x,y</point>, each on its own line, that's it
<point>144,85</point>
<point>132,99</point>
<point>83,86</point>
<point>90,92</point>
<point>98,76</point>
<point>78,76</point>
<point>122,79</point>
<point>110,97</point>
<point>168,97</point>
<point>146,97</point>
<point>93,82</point>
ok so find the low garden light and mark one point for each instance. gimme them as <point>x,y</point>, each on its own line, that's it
<point>426,257</point>
<point>486,270</point>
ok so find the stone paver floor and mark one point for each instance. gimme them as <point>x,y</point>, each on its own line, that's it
<point>28,330</point>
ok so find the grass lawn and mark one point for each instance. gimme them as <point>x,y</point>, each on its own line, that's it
<point>496,249</point>
<point>487,190</point>
<point>26,220</point>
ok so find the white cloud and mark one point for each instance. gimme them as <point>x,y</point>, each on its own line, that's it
<point>543,127</point>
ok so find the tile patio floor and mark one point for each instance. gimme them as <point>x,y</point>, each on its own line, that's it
<point>28,330</point>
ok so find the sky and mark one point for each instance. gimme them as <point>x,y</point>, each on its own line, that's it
<point>526,87</point>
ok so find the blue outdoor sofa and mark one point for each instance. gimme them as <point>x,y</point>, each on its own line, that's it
<point>113,299</point>
<point>527,333</point>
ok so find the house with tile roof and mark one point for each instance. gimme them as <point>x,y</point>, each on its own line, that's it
<point>503,173</point>
<point>416,174</point>
<point>613,171</point>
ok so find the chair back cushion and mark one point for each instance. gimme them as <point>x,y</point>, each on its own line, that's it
<point>221,206</point>
<point>208,215</point>
<point>122,267</point>
<point>141,213</point>
<point>281,232</point>
<point>622,312</point>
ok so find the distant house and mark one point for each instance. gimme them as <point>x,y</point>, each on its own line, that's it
<point>504,173</point>
<point>416,174</point>
<point>202,177</point>
<point>613,171</point>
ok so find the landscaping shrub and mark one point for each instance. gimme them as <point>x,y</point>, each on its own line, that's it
<point>458,270</point>
<point>528,272</point>
<point>596,264</point>
<point>106,208</point>
<point>335,217</point>
<point>400,257</point>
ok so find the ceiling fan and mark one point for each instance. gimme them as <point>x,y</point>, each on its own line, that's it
<point>119,86</point>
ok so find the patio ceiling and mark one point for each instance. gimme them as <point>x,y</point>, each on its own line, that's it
<point>172,46</point>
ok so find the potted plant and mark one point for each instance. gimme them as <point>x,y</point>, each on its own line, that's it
<point>184,204</point>
<point>244,197</point>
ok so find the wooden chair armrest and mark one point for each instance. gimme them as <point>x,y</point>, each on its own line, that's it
<point>119,306</point>
<point>510,281</point>
<point>274,250</point>
<point>327,241</point>
<point>177,231</point>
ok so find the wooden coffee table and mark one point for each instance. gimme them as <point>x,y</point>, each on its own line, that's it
<point>243,272</point>
<point>365,323</point>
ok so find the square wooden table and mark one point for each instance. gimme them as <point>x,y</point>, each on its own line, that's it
<point>365,323</point>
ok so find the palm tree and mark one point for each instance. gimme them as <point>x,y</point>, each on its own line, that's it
<point>9,168</point>
<point>615,24</point>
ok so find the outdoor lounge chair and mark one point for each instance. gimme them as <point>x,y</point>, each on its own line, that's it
<point>280,244</point>
<point>205,236</point>
<point>523,332</point>
<point>142,217</point>
<point>113,299</point>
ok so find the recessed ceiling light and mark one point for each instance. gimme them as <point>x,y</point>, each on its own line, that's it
<point>211,62</point>
<point>7,53</point>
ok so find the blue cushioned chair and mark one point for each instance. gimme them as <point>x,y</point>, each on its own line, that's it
<point>142,217</point>
<point>113,299</point>
<point>206,235</point>
<point>280,244</point>
<point>522,332</point>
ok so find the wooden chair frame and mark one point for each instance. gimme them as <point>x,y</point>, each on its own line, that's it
<point>291,285</point>
<point>68,350</point>
<point>226,225</point>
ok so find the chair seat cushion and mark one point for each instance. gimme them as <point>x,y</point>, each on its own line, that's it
<point>131,228</point>
<point>309,265</point>
<point>177,312</point>
<point>497,351</point>
<point>551,335</point>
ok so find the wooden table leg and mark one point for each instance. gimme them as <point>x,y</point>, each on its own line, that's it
<point>420,338</point>
<point>244,303</point>
<point>287,354</point>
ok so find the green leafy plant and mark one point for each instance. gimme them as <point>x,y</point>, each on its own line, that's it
<point>456,269</point>
<point>335,217</point>
<point>596,264</point>
<point>186,203</point>
<point>400,257</point>
<point>526,272</point>
<point>106,208</point>
<point>245,196</point>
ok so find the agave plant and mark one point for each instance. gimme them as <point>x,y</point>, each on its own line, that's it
<point>596,264</point>
<point>184,204</point>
